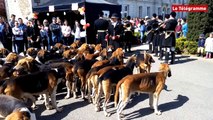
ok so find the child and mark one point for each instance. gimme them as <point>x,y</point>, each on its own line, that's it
<point>128,37</point>
<point>201,43</point>
<point>209,45</point>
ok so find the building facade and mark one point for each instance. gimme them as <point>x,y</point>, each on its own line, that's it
<point>20,8</point>
<point>142,8</point>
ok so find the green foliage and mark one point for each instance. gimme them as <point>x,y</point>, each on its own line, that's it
<point>200,22</point>
<point>185,46</point>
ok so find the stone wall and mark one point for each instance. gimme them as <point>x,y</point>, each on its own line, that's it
<point>21,8</point>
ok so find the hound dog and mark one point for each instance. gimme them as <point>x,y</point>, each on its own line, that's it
<point>98,55</point>
<point>14,109</point>
<point>29,63</point>
<point>80,70</point>
<point>31,52</point>
<point>152,83</point>
<point>69,54</point>
<point>4,52</point>
<point>75,44</point>
<point>92,75</point>
<point>118,54</point>
<point>6,69</point>
<point>65,73</point>
<point>25,86</point>
<point>144,61</point>
<point>101,67</point>
<point>110,78</point>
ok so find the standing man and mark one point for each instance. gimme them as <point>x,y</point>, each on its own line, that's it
<point>23,27</point>
<point>170,40</point>
<point>115,31</point>
<point>154,25</point>
<point>56,31</point>
<point>101,26</point>
<point>12,25</point>
<point>18,38</point>
<point>2,32</point>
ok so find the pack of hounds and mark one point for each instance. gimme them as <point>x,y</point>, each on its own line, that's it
<point>87,68</point>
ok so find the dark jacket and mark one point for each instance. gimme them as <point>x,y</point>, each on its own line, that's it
<point>170,26</point>
<point>201,42</point>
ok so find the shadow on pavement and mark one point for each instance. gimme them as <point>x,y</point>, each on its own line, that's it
<point>183,59</point>
<point>58,116</point>
<point>178,102</point>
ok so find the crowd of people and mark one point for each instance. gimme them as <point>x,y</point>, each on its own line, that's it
<point>160,32</point>
<point>17,36</point>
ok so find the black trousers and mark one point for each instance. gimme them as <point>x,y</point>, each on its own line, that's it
<point>115,44</point>
<point>66,41</point>
<point>19,45</point>
<point>101,39</point>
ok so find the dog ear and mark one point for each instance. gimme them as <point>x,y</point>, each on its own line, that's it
<point>151,59</point>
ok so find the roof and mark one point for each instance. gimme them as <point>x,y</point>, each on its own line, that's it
<point>61,5</point>
<point>69,2</point>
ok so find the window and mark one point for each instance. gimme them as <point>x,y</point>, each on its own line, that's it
<point>174,1</point>
<point>148,11</point>
<point>159,10</point>
<point>140,11</point>
<point>125,10</point>
<point>168,11</point>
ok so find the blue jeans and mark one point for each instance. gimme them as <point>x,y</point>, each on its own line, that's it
<point>55,39</point>
<point>141,38</point>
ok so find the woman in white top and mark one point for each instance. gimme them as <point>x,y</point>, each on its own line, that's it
<point>18,38</point>
<point>209,45</point>
<point>66,32</point>
<point>77,31</point>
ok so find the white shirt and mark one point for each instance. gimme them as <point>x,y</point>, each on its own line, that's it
<point>66,30</point>
<point>77,32</point>
<point>18,33</point>
<point>114,23</point>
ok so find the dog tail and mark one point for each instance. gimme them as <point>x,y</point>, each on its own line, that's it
<point>117,92</point>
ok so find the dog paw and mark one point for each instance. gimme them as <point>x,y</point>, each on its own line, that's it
<point>97,109</point>
<point>121,115</point>
<point>158,113</point>
<point>75,96</point>
<point>49,107</point>
<point>107,114</point>
<point>119,118</point>
<point>67,97</point>
<point>90,101</point>
<point>59,109</point>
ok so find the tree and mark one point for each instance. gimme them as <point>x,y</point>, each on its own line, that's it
<point>200,22</point>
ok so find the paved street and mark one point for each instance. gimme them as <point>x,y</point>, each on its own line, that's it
<point>188,96</point>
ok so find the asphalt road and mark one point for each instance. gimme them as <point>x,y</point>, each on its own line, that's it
<point>188,96</point>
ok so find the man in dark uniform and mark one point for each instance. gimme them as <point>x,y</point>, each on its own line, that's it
<point>101,26</point>
<point>115,31</point>
<point>153,23</point>
<point>170,40</point>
